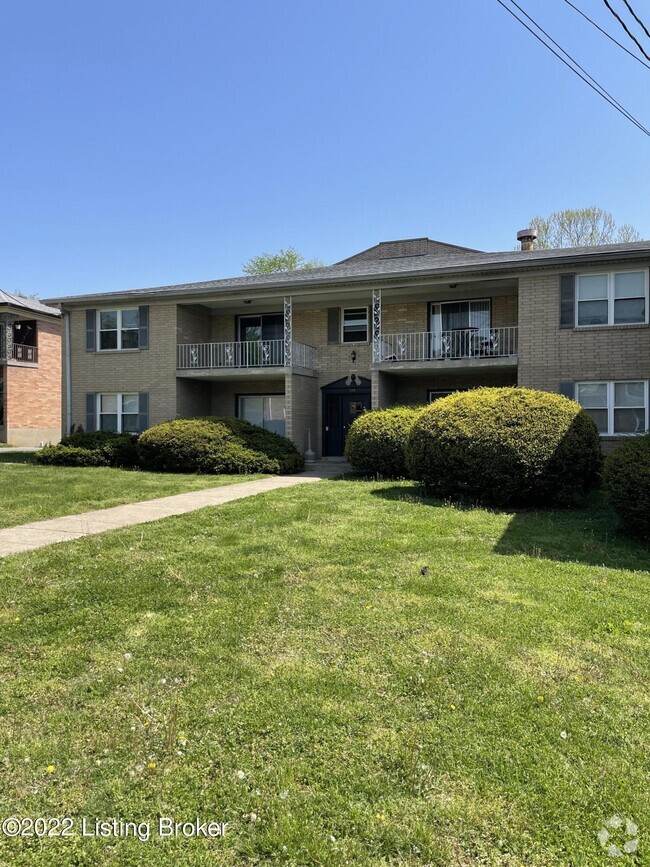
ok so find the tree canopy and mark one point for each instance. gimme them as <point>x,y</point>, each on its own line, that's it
<point>581,227</point>
<point>284,260</point>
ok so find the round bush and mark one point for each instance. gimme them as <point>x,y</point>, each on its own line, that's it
<point>505,446</point>
<point>376,442</point>
<point>626,479</point>
<point>216,445</point>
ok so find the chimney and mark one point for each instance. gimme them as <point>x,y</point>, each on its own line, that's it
<point>527,238</point>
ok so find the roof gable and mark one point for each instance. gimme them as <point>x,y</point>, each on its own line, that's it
<point>405,248</point>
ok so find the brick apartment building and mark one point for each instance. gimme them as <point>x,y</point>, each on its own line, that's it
<point>303,353</point>
<point>30,371</point>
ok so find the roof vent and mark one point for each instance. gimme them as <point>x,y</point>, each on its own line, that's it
<point>527,238</point>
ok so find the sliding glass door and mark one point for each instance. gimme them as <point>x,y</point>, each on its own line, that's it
<point>261,339</point>
<point>264,410</point>
<point>456,326</point>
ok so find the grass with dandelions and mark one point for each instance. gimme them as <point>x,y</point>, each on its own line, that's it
<point>282,664</point>
<point>30,492</point>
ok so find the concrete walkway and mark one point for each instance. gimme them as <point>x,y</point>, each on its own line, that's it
<point>39,534</point>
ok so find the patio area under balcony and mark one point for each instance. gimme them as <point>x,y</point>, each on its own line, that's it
<point>243,359</point>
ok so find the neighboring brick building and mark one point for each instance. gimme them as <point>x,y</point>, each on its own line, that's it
<point>30,371</point>
<point>403,322</point>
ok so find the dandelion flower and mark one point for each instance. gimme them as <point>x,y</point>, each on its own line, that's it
<point>50,769</point>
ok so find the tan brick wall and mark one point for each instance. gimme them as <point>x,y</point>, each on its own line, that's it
<point>549,354</point>
<point>152,370</point>
<point>193,398</point>
<point>302,406</point>
<point>412,316</point>
<point>193,324</point>
<point>33,394</point>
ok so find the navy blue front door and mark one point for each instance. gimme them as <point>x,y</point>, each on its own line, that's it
<point>341,405</point>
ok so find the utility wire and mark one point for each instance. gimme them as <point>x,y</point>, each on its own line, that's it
<point>573,60</point>
<point>608,35</point>
<point>627,30</point>
<point>596,89</point>
<point>637,19</point>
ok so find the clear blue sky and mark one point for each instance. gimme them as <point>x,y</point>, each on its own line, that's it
<point>151,142</point>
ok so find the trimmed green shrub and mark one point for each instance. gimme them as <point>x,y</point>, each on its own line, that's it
<point>216,445</point>
<point>71,456</point>
<point>376,442</point>
<point>505,446</point>
<point>119,449</point>
<point>626,479</point>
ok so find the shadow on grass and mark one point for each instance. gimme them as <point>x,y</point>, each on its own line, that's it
<point>589,534</point>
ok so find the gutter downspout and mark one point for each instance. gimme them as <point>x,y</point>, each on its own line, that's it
<point>68,376</point>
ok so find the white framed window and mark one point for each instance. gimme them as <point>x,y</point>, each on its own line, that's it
<point>354,325</point>
<point>118,412</point>
<point>118,329</point>
<point>264,410</point>
<point>618,408</point>
<point>612,298</point>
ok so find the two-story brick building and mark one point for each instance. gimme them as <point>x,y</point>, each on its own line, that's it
<point>30,371</point>
<point>303,353</point>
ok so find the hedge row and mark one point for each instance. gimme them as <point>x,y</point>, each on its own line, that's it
<point>198,445</point>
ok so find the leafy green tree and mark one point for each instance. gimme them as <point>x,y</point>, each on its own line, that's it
<point>284,260</point>
<point>581,227</point>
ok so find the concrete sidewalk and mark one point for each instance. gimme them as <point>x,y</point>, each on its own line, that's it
<point>39,534</point>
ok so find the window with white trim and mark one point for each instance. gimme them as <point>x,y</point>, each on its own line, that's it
<point>118,329</point>
<point>614,298</point>
<point>354,325</point>
<point>618,408</point>
<point>118,412</point>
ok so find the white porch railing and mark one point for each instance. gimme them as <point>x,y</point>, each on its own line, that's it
<point>245,353</point>
<point>444,345</point>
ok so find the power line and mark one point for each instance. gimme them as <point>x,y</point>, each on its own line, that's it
<point>626,114</point>
<point>627,30</point>
<point>637,19</point>
<point>573,60</point>
<point>608,35</point>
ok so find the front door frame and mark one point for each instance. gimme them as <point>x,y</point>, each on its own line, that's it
<point>340,388</point>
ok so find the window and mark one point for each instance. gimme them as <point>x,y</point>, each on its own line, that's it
<point>355,325</point>
<point>264,410</point>
<point>618,408</point>
<point>119,329</point>
<point>118,412</point>
<point>436,394</point>
<point>612,299</point>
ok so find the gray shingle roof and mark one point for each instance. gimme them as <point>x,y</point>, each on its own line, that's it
<point>30,304</point>
<point>438,264</point>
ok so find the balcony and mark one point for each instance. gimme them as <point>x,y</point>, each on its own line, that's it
<point>460,347</point>
<point>19,352</point>
<point>240,358</point>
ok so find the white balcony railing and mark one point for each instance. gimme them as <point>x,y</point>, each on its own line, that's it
<point>446,345</point>
<point>245,353</point>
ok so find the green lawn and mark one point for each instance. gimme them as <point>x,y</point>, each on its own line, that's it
<point>29,492</point>
<point>283,665</point>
